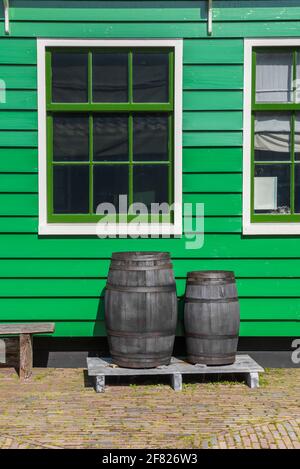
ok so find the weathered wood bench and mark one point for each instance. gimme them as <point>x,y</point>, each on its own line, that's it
<point>26,331</point>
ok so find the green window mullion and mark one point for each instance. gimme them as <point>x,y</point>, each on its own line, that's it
<point>91,150</point>
<point>90,77</point>
<point>130,143</point>
<point>292,192</point>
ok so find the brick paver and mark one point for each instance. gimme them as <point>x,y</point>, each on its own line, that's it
<point>59,408</point>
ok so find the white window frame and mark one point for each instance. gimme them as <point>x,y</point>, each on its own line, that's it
<point>46,228</point>
<point>248,227</point>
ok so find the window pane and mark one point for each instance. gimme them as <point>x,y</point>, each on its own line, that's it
<point>69,77</point>
<point>272,188</point>
<point>150,137</point>
<point>272,137</point>
<point>70,137</point>
<point>151,77</point>
<point>110,181</point>
<point>110,78</point>
<point>274,77</point>
<point>297,188</point>
<point>150,184</point>
<point>297,136</point>
<point>111,138</point>
<point>71,189</point>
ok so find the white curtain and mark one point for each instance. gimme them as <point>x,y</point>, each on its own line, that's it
<point>274,77</point>
<point>272,133</point>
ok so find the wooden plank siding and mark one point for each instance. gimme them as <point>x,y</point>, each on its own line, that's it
<point>62,279</point>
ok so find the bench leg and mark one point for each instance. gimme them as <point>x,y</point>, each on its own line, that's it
<point>100,383</point>
<point>252,380</point>
<point>2,351</point>
<point>25,356</point>
<point>176,381</point>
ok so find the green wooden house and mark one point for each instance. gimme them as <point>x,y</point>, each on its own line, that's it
<point>192,103</point>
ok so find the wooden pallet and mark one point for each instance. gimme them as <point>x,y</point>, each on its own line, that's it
<point>244,364</point>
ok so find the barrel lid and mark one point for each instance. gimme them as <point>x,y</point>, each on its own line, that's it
<point>140,255</point>
<point>211,274</point>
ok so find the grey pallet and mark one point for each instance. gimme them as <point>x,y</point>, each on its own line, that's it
<point>101,367</point>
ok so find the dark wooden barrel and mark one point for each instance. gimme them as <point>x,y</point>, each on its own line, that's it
<point>211,317</point>
<point>141,309</point>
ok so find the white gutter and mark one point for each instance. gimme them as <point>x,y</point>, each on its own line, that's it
<point>209,17</point>
<point>6,16</point>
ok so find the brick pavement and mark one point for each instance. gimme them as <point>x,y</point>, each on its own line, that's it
<point>59,408</point>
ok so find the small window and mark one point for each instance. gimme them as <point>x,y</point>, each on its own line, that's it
<point>275,150</point>
<point>110,121</point>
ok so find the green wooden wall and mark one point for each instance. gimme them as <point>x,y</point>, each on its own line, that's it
<point>61,278</point>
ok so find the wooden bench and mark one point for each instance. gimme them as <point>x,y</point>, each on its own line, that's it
<point>26,331</point>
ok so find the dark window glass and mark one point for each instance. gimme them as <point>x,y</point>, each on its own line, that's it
<point>111,137</point>
<point>297,188</point>
<point>70,137</point>
<point>71,189</point>
<point>150,137</point>
<point>272,140</point>
<point>151,77</point>
<point>272,188</point>
<point>110,181</point>
<point>150,184</point>
<point>69,77</point>
<point>110,78</point>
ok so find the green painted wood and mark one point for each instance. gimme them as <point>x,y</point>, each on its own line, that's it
<point>215,246</point>
<point>214,120</point>
<point>19,76</point>
<point>213,51</point>
<point>217,160</point>
<point>18,51</point>
<point>18,204</point>
<point>98,268</point>
<point>256,10</point>
<point>222,225</point>
<point>217,204</point>
<point>64,287</point>
<point>212,139</point>
<point>212,78</point>
<point>212,182</point>
<point>108,30</point>
<point>19,100</point>
<point>18,225</point>
<point>18,160</point>
<point>88,13</point>
<point>18,120</point>
<point>91,309</point>
<point>212,100</point>
<point>18,182</point>
<point>18,138</point>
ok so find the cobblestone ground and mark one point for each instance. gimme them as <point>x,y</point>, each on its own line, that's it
<point>58,408</point>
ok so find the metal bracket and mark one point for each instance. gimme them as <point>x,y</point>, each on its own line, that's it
<point>6,16</point>
<point>209,17</point>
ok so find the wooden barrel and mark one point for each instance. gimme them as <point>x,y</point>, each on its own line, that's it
<point>211,317</point>
<point>141,309</point>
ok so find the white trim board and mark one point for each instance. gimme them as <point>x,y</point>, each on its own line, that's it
<point>46,228</point>
<point>248,227</point>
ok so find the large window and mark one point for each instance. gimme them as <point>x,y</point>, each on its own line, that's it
<point>272,158</point>
<point>110,131</point>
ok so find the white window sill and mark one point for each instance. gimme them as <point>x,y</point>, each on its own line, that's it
<point>271,229</point>
<point>94,229</point>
